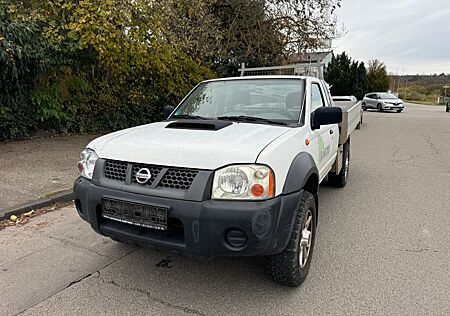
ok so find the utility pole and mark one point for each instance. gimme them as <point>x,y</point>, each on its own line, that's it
<point>406,87</point>
<point>445,92</point>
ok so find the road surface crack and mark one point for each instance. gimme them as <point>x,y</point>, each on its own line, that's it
<point>93,274</point>
<point>150,296</point>
<point>432,145</point>
<point>423,250</point>
<point>78,280</point>
<point>67,242</point>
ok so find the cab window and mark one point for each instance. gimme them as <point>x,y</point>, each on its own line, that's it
<point>316,97</point>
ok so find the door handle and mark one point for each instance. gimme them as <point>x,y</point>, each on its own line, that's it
<point>331,132</point>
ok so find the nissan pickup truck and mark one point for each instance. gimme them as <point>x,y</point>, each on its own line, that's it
<point>233,170</point>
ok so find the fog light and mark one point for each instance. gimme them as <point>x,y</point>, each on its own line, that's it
<point>80,167</point>
<point>236,238</point>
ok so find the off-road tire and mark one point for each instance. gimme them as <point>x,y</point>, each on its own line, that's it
<point>285,268</point>
<point>340,180</point>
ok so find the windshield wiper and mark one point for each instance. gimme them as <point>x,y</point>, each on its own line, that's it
<point>243,118</point>
<point>187,116</point>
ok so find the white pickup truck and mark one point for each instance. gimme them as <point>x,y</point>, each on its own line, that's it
<point>234,170</point>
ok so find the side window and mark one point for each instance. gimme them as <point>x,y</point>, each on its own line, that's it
<point>316,97</point>
<point>328,96</point>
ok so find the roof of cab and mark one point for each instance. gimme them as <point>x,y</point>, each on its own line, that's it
<point>260,77</point>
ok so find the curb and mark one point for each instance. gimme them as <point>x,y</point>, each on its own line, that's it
<point>62,197</point>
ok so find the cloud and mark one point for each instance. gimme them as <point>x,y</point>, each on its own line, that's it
<point>408,35</point>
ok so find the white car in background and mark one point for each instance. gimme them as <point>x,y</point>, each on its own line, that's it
<point>382,101</point>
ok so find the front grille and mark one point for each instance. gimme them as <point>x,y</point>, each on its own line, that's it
<point>180,179</point>
<point>153,170</point>
<point>116,170</point>
<point>171,178</point>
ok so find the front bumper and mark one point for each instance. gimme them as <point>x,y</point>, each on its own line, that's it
<point>392,107</point>
<point>205,225</point>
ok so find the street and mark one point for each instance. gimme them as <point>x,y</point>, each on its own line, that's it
<point>383,246</point>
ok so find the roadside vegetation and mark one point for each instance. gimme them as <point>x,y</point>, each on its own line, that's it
<point>96,66</point>
<point>350,77</point>
<point>420,88</point>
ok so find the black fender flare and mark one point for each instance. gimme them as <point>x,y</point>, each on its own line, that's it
<point>302,168</point>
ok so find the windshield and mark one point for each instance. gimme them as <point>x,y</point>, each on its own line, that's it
<point>277,100</point>
<point>387,96</point>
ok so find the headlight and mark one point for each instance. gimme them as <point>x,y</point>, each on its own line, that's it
<point>243,182</point>
<point>86,165</point>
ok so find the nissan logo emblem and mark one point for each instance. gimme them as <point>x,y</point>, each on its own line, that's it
<point>143,176</point>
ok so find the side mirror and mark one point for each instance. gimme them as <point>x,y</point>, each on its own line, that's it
<point>167,110</point>
<point>326,116</point>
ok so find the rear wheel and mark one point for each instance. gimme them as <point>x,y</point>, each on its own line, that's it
<point>291,266</point>
<point>340,180</point>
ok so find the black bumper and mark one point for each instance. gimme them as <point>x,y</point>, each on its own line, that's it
<point>205,225</point>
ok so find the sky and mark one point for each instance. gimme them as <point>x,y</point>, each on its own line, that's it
<point>409,36</point>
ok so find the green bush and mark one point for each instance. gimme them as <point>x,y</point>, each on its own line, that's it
<point>85,95</point>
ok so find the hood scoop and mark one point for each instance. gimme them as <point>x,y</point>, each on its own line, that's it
<point>206,125</point>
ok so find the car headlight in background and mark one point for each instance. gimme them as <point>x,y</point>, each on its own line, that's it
<point>86,165</point>
<point>243,182</point>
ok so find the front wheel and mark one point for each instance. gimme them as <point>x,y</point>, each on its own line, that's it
<point>364,107</point>
<point>448,108</point>
<point>399,111</point>
<point>380,108</point>
<point>291,266</point>
<point>340,180</point>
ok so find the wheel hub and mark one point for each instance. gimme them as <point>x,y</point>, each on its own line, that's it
<point>306,240</point>
<point>347,165</point>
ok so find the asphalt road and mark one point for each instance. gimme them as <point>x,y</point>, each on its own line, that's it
<point>383,247</point>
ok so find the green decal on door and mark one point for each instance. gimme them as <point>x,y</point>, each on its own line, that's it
<point>323,151</point>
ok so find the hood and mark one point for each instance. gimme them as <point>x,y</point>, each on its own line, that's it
<point>190,148</point>
<point>396,101</point>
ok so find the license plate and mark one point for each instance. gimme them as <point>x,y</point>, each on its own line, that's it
<point>143,215</point>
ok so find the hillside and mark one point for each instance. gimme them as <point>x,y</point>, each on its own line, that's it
<point>420,88</point>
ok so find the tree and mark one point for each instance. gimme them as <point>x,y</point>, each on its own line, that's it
<point>96,66</point>
<point>377,76</point>
<point>248,36</point>
<point>304,24</point>
<point>347,77</point>
<point>339,75</point>
<point>361,85</point>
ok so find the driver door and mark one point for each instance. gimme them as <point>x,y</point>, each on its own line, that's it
<point>325,139</point>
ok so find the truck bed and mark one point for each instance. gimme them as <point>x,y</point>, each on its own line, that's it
<point>351,117</point>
